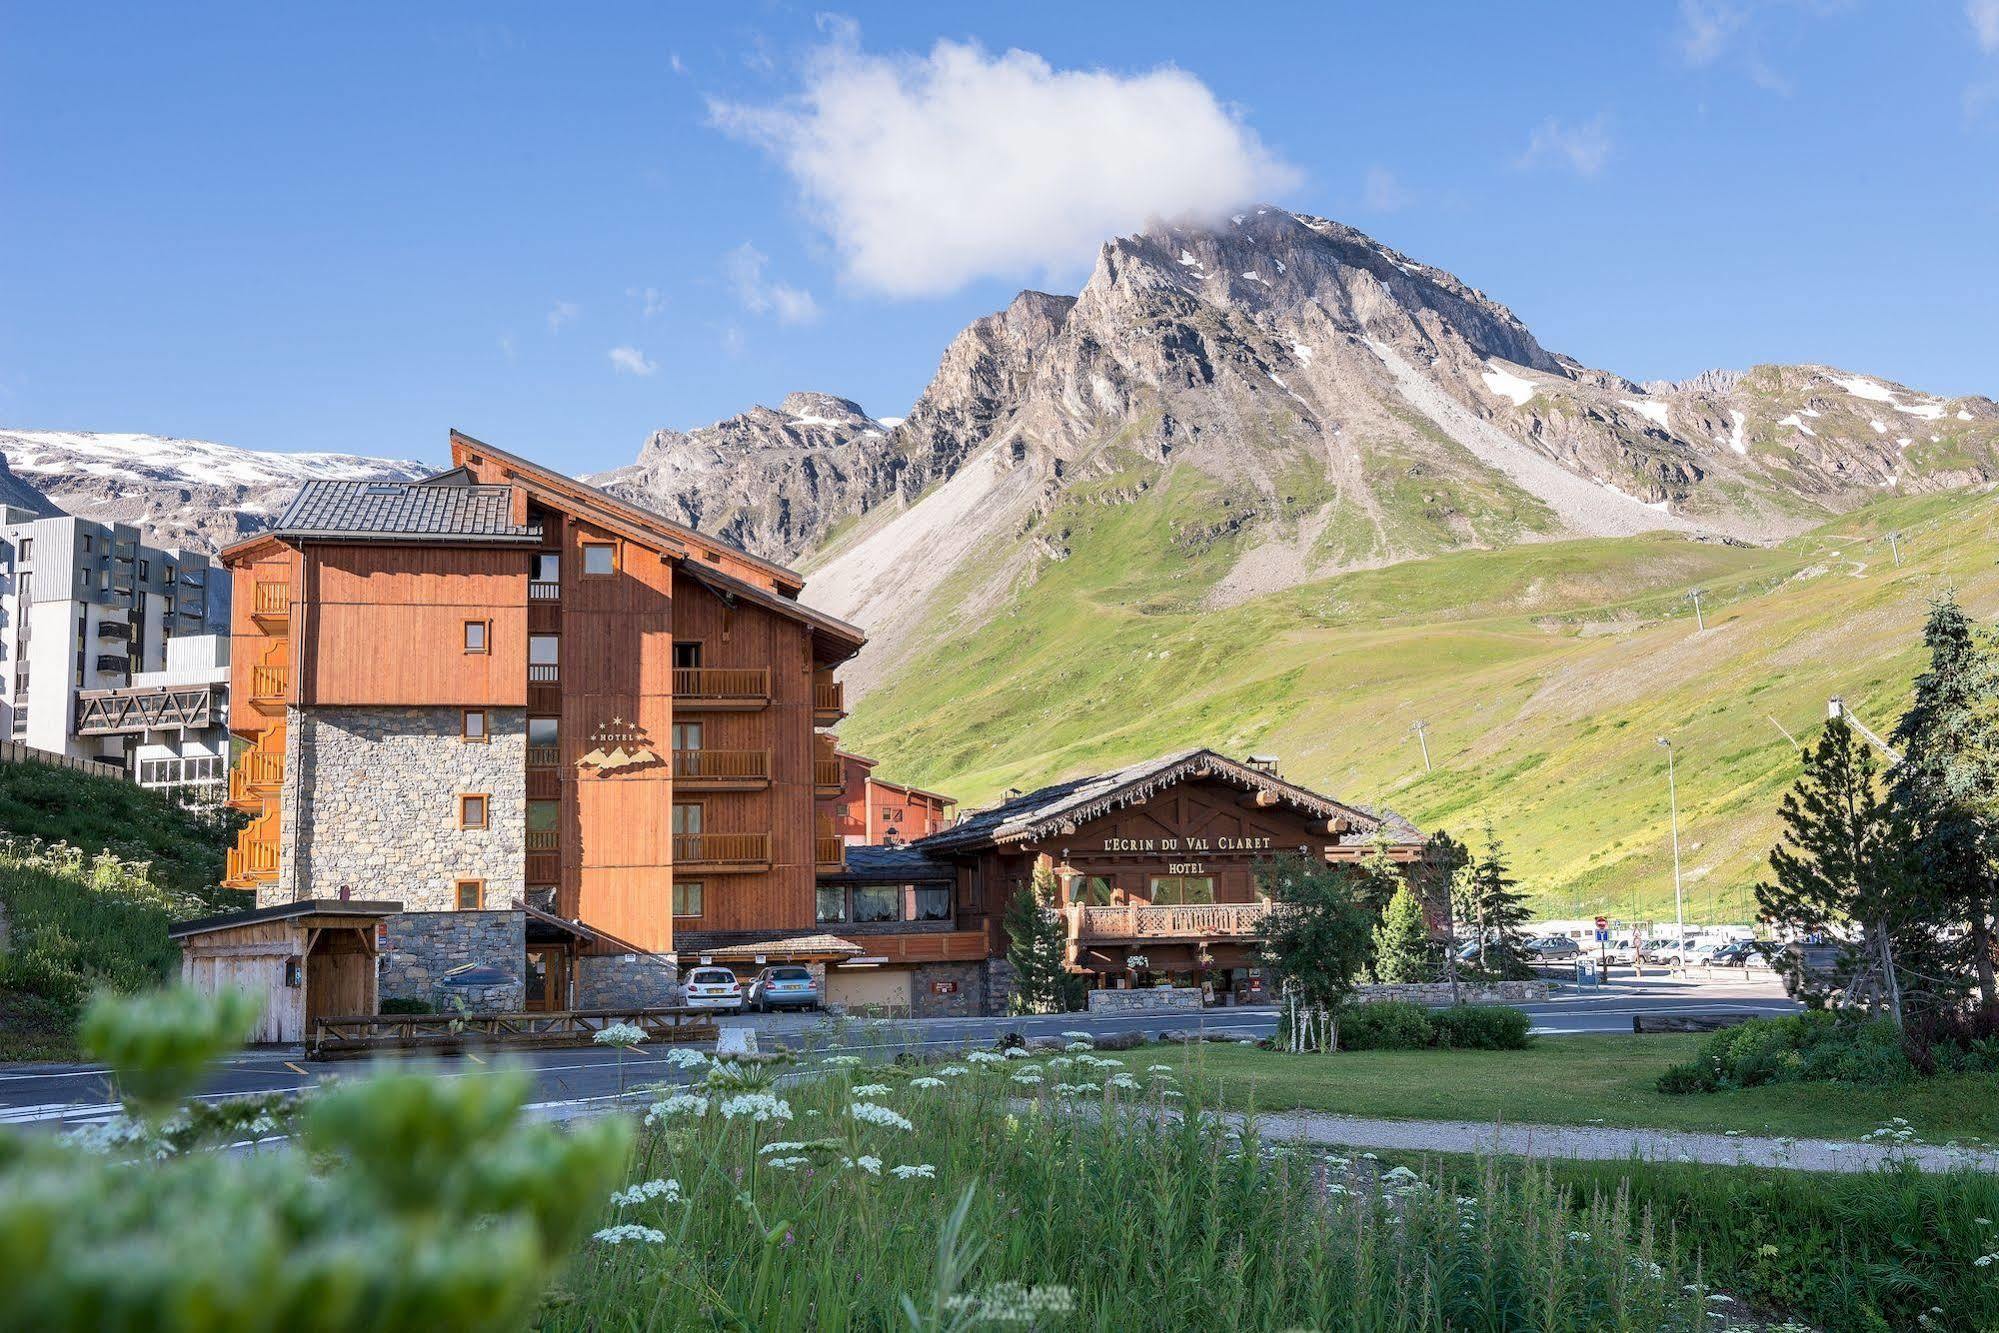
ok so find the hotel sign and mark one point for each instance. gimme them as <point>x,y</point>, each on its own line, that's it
<point>618,744</point>
<point>1192,846</point>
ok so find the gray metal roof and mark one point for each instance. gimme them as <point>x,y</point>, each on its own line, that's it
<point>1040,813</point>
<point>882,863</point>
<point>333,510</point>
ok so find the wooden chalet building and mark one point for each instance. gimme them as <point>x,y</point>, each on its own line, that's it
<point>562,732</point>
<point>1154,860</point>
<point>874,810</point>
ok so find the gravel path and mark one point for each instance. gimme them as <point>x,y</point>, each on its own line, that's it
<point>1605,1143</point>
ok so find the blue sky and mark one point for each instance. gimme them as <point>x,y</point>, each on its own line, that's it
<point>560,227</point>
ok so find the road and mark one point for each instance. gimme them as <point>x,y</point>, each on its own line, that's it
<point>570,1081</point>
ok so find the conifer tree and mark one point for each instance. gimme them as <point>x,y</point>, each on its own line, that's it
<point>1841,863</point>
<point>1035,945</point>
<point>1946,788</point>
<point>1495,910</point>
<point>1316,941</point>
<point>1402,941</point>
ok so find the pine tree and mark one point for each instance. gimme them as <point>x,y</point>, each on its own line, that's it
<point>1842,861</point>
<point>1402,941</point>
<point>1444,865</point>
<point>1947,786</point>
<point>1036,943</point>
<point>1495,910</point>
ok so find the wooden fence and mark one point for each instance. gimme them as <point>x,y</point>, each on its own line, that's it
<point>359,1034</point>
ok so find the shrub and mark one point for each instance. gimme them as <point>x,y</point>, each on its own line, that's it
<point>1388,1025</point>
<point>1815,1046</point>
<point>406,1004</point>
<point>1480,1027</point>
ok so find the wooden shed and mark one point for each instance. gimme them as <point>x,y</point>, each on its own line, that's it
<point>305,960</point>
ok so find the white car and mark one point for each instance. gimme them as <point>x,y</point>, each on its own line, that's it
<point>714,988</point>
<point>1621,952</point>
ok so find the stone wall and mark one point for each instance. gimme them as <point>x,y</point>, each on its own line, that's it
<point>626,981</point>
<point>1146,999</point>
<point>1002,984</point>
<point>967,1001</point>
<point>422,947</point>
<point>370,803</point>
<point>1432,994</point>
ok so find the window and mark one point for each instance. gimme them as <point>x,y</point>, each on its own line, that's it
<point>478,636</point>
<point>1180,890</point>
<point>547,567</point>
<point>877,902</point>
<point>686,818</point>
<point>472,811</point>
<point>1091,890</point>
<point>86,543</point>
<point>542,730</point>
<point>167,575</point>
<point>832,904</point>
<point>27,548</point>
<point>544,650</point>
<point>687,735</point>
<point>145,569</point>
<point>933,904</point>
<point>470,894</point>
<point>475,725</point>
<point>687,897</point>
<point>687,656</point>
<point>544,819</point>
<point>600,558</point>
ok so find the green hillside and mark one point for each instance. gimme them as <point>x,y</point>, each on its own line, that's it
<point>1545,673</point>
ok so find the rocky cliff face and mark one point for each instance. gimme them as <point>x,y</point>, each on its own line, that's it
<point>180,493</point>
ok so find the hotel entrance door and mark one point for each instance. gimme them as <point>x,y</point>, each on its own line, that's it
<point>547,981</point>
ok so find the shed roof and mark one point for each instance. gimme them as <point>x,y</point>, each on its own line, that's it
<point>281,912</point>
<point>437,509</point>
<point>890,863</point>
<point>1047,810</point>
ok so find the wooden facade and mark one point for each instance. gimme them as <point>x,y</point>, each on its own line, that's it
<point>308,961</point>
<point>672,689</point>
<point>871,809</point>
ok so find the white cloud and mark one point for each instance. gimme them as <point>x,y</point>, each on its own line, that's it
<point>745,266</point>
<point>1383,193</point>
<point>631,361</point>
<point>930,171</point>
<point>1582,148</point>
<point>1984,16</point>
<point>675,63</point>
<point>507,346</point>
<point>651,300</point>
<point>1706,29</point>
<point>562,313</point>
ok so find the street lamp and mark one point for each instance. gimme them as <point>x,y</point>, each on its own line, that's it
<point>1679,902</point>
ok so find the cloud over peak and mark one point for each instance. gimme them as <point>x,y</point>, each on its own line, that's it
<point>927,172</point>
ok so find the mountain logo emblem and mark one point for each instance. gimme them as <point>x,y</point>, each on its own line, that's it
<point>618,745</point>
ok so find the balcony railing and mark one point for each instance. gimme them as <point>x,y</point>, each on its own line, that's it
<point>258,773</point>
<point>1137,921</point>
<point>721,849</point>
<point>114,629</point>
<point>544,756</point>
<point>722,767</point>
<point>254,858</point>
<point>829,853</point>
<point>543,840</point>
<point>269,683</point>
<point>112,665</point>
<point>544,590</point>
<point>721,687</point>
<point>544,673</point>
<point>271,599</point>
<point>827,776</point>
<point>829,702</point>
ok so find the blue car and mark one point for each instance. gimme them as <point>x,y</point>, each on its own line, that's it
<point>787,987</point>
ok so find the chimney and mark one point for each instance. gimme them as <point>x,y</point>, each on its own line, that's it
<point>1835,707</point>
<point>1263,763</point>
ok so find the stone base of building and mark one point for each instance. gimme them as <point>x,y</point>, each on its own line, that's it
<point>627,981</point>
<point>1431,994</point>
<point>424,949</point>
<point>1146,1000</point>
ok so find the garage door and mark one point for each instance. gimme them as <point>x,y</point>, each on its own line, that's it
<point>868,989</point>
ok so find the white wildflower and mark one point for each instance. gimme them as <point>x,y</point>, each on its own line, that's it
<point>843,1059</point>
<point>926,1082</point>
<point>1079,1046</point>
<point>632,1232</point>
<point>1121,1080</point>
<point>619,1034</point>
<point>906,1172</point>
<point>1017,1052</point>
<point>668,1190</point>
<point>952,1071</point>
<point>871,1165</point>
<point>1013,1303</point>
<point>986,1058</point>
<point>781,1145</point>
<point>1078,1036</point>
<point>685,1057</point>
<point>758,1106</point>
<point>871,1090</point>
<point>680,1103</point>
<point>875,1114</point>
<point>1027,1077</point>
<point>1159,1069</point>
<point>787,1163</point>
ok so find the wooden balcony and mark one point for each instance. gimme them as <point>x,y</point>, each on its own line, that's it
<point>722,770</point>
<point>271,601</point>
<point>543,840</point>
<point>939,946</point>
<point>254,858</point>
<point>1199,921</point>
<point>544,590</point>
<point>721,689</point>
<point>829,853</point>
<point>828,776</point>
<point>544,673</point>
<point>269,683</point>
<point>721,853</point>
<point>829,699</point>
<point>256,776</point>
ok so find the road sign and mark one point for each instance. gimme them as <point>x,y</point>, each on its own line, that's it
<point>1602,935</point>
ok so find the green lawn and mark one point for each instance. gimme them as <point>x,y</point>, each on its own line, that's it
<point>1582,1080</point>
